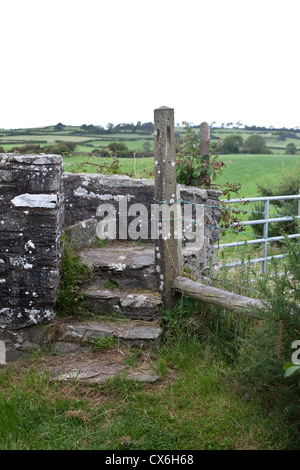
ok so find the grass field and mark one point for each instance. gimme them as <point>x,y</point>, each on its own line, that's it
<point>249,170</point>
<point>276,140</point>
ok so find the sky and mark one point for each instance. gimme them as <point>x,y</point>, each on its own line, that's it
<point>115,61</point>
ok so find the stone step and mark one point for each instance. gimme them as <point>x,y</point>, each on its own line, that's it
<point>132,333</point>
<point>129,266</point>
<point>98,368</point>
<point>99,299</point>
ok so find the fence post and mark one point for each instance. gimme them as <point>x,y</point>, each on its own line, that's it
<point>167,238</point>
<point>266,228</point>
<point>203,148</point>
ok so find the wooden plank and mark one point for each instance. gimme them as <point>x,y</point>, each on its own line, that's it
<point>215,296</point>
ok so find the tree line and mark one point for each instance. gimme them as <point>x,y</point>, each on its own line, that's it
<point>254,144</point>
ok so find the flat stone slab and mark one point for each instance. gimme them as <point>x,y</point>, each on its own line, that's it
<point>141,334</point>
<point>139,305</point>
<point>118,258</point>
<point>130,266</point>
<point>88,372</point>
<point>96,368</point>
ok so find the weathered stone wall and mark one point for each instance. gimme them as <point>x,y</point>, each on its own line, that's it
<point>31,220</point>
<point>37,203</point>
<point>84,193</point>
<point>209,198</point>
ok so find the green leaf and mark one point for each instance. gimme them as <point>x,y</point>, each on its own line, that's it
<point>292,369</point>
<point>287,365</point>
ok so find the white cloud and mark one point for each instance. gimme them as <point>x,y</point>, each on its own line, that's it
<point>99,61</point>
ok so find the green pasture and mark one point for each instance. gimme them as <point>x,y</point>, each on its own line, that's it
<point>42,137</point>
<point>88,164</point>
<point>249,170</point>
<point>132,144</point>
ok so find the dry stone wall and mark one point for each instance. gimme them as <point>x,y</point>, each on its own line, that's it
<point>31,220</point>
<point>84,193</point>
<point>38,202</point>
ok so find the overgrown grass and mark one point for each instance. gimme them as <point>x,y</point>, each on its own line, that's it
<point>193,407</point>
<point>198,403</point>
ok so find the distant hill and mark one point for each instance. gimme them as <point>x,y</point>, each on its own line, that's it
<point>138,138</point>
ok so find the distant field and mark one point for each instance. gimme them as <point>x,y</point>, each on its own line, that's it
<point>128,165</point>
<point>249,170</point>
<point>87,141</point>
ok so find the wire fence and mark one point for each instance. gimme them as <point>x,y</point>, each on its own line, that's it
<point>240,255</point>
<point>241,259</point>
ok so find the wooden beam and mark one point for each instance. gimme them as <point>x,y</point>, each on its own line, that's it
<point>215,296</point>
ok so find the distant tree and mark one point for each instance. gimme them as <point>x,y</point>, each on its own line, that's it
<point>118,147</point>
<point>62,148</point>
<point>27,148</point>
<point>110,126</point>
<point>291,149</point>
<point>59,127</point>
<point>255,144</point>
<point>1,149</point>
<point>146,146</point>
<point>147,127</point>
<point>232,144</point>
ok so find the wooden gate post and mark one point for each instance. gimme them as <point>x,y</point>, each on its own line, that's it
<point>168,237</point>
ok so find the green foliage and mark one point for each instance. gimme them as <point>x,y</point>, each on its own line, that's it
<point>59,127</point>
<point>117,147</point>
<point>232,144</point>
<point>27,148</point>
<point>102,344</point>
<point>62,148</point>
<point>193,169</point>
<point>268,346</point>
<point>73,274</point>
<point>291,149</point>
<point>287,184</point>
<point>290,369</point>
<point>110,284</point>
<point>255,144</point>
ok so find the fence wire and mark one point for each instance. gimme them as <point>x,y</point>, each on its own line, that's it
<point>235,265</point>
